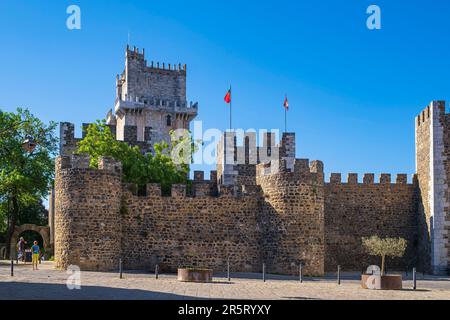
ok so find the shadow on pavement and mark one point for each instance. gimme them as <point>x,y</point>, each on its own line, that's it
<point>301,298</point>
<point>416,290</point>
<point>35,291</point>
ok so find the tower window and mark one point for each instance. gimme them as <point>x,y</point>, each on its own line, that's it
<point>169,121</point>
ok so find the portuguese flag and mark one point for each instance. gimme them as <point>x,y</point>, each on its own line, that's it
<point>227,97</point>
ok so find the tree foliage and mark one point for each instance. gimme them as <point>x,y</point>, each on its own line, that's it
<point>161,167</point>
<point>387,247</point>
<point>34,213</point>
<point>25,176</point>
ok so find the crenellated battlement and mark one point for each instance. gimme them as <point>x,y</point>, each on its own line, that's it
<point>238,156</point>
<point>204,189</point>
<point>243,149</point>
<point>369,179</point>
<point>301,168</point>
<point>136,104</point>
<point>158,67</point>
<point>434,108</point>
<point>200,187</point>
<point>128,133</point>
<point>67,140</point>
<point>76,161</point>
<point>85,126</point>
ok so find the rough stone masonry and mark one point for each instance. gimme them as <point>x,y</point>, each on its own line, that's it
<point>255,209</point>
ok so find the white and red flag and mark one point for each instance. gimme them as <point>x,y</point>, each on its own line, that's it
<point>286,103</point>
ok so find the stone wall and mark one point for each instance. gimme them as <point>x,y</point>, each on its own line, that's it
<point>293,216</point>
<point>200,231</point>
<point>444,237</point>
<point>167,81</point>
<point>68,143</point>
<point>354,210</point>
<point>128,134</point>
<point>67,140</point>
<point>237,160</point>
<point>98,220</point>
<point>433,169</point>
<point>423,155</point>
<point>87,219</point>
<point>288,217</point>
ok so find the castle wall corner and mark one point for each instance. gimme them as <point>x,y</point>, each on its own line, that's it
<point>432,131</point>
<point>87,214</point>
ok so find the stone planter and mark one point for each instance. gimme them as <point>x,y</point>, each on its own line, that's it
<point>377,282</point>
<point>195,275</point>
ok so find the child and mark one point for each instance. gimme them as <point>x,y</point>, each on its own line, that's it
<point>35,255</point>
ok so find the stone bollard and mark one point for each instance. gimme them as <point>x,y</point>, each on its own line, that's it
<point>228,270</point>
<point>156,272</point>
<point>120,268</point>
<point>300,273</point>
<point>264,272</point>
<point>339,275</point>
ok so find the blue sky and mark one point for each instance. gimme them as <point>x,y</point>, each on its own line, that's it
<point>353,92</point>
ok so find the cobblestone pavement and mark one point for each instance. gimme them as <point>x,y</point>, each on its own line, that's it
<point>48,283</point>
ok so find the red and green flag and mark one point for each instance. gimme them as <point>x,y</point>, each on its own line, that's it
<point>227,97</point>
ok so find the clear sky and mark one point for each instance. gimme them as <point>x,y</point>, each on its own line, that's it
<point>353,92</point>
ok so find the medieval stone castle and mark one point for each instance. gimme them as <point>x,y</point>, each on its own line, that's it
<point>256,208</point>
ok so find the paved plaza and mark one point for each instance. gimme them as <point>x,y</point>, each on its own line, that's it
<point>48,283</point>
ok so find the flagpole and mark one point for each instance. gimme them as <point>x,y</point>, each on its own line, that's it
<point>231,101</point>
<point>285,112</point>
<point>285,120</point>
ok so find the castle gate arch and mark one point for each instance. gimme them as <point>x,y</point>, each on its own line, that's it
<point>44,231</point>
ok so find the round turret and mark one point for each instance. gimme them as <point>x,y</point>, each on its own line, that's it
<point>87,213</point>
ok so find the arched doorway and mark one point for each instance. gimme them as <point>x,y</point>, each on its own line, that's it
<point>29,230</point>
<point>30,236</point>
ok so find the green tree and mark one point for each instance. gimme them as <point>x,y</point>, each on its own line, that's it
<point>138,168</point>
<point>388,247</point>
<point>34,213</point>
<point>25,175</point>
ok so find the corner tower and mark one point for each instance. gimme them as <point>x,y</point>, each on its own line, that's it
<point>87,213</point>
<point>150,100</point>
<point>433,172</point>
<point>292,215</point>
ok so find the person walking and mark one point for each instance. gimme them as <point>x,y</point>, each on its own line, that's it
<point>21,249</point>
<point>35,255</point>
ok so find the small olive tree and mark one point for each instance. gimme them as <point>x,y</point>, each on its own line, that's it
<point>388,247</point>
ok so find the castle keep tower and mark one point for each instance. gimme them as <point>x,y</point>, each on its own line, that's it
<point>150,100</point>
<point>433,170</point>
